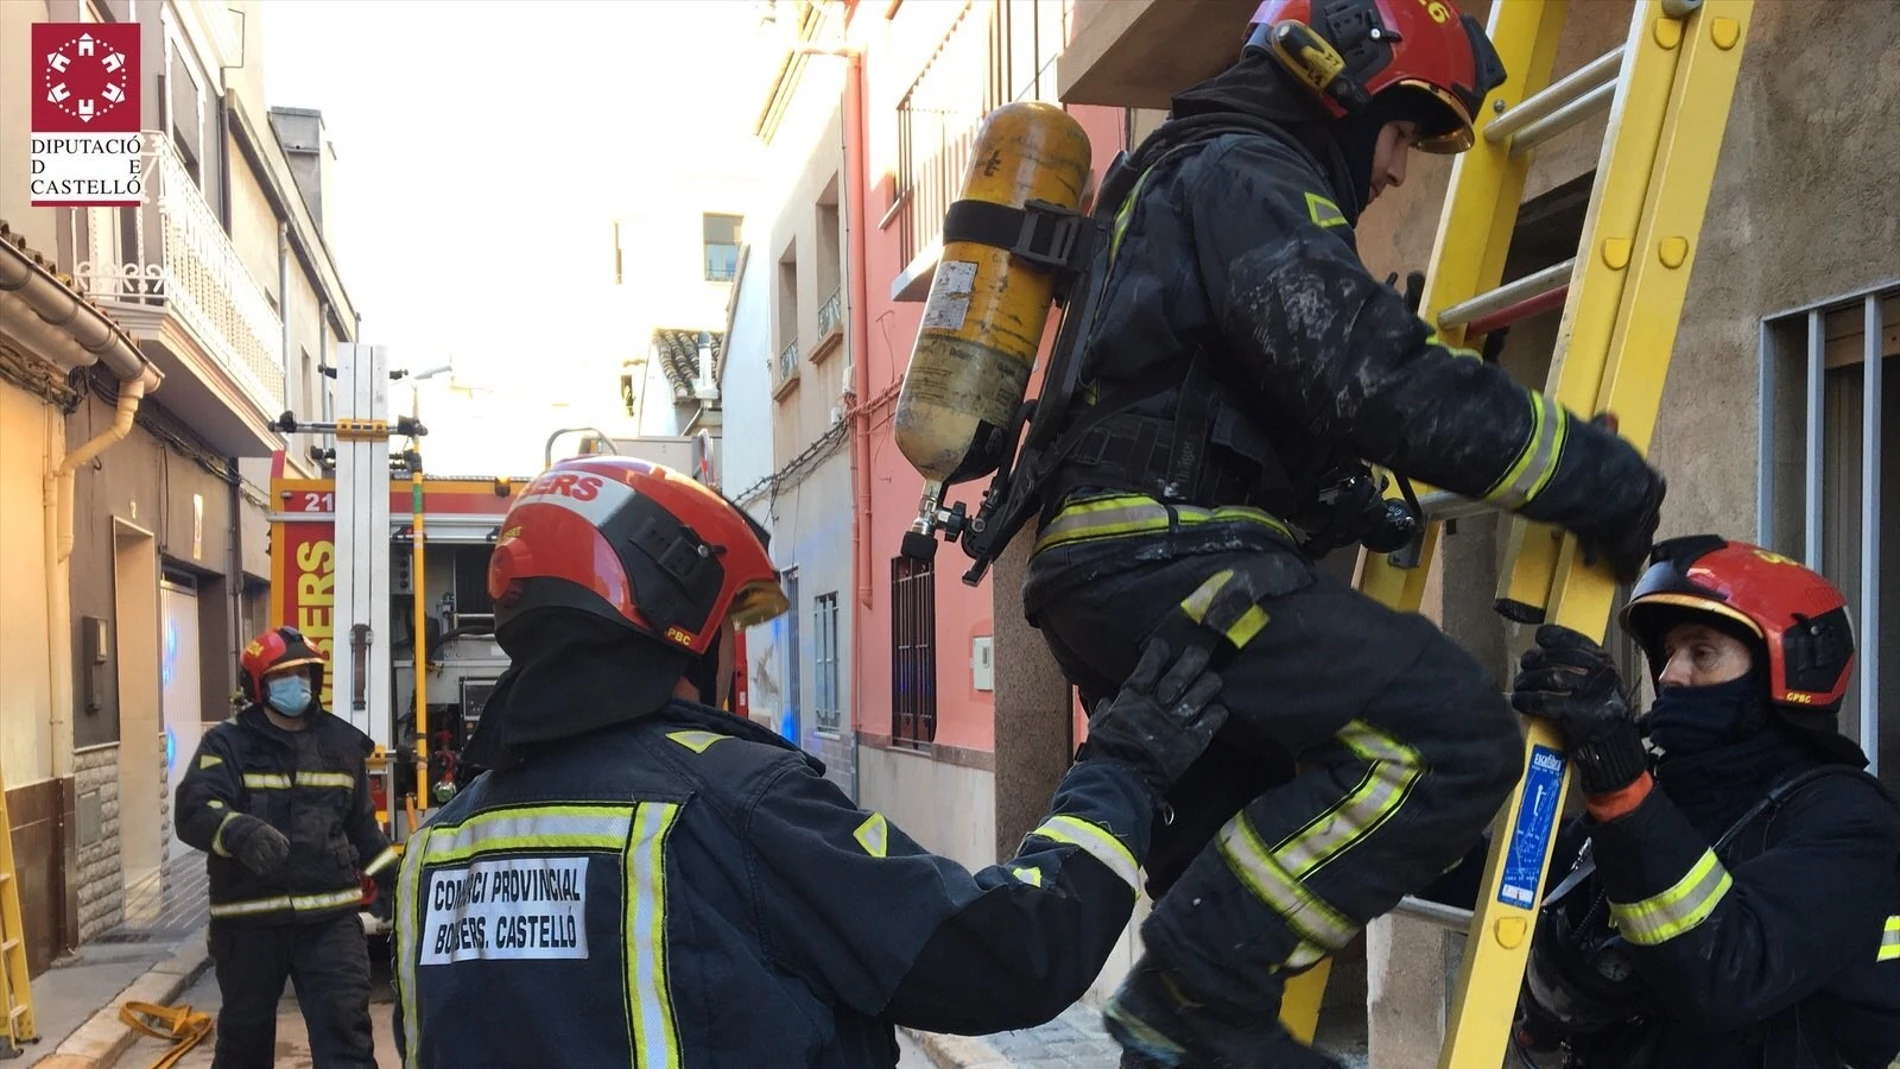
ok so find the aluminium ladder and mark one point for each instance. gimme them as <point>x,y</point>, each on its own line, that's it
<point>1668,90</point>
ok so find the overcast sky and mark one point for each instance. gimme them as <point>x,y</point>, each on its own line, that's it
<point>483,148</point>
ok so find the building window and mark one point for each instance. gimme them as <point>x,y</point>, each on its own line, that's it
<point>722,246</point>
<point>826,712</point>
<point>913,652</point>
<point>1829,455</point>
<point>785,314</point>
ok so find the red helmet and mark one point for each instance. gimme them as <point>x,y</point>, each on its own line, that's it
<point>1799,617</point>
<point>284,647</point>
<point>1350,51</point>
<point>637,544</point>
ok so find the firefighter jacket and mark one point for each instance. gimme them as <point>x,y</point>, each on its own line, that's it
<point>1241,352</point>
<point>1782,949</point>
<point>311,785</point>
<point>686,891</point>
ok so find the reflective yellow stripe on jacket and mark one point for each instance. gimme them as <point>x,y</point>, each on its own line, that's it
<point>1121,515</point>
<point>1889,941</point>
<point>1537,462</point>
<point>293,903</point>
<point>638,834</point>
<point>1095,841</point>
<point>277,781</point>
<point>1678,910</point>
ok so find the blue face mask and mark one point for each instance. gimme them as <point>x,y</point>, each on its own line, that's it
<point>289,695</point>
<point>1688,720</point>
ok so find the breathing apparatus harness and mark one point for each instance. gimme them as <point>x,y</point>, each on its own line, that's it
<point>1108,444</point>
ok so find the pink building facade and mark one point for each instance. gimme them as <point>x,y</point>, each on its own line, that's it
<point>925,643</point>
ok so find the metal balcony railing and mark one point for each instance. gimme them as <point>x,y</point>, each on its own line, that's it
<point>937,118</point>
<point>178,259</point>
<point>831,313</point>
<point>788,361</point>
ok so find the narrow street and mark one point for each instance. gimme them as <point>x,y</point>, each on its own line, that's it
<point>293,1043</point>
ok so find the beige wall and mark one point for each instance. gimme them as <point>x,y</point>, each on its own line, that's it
<point>947,808</point>
<point>29,428</point>
<point>812,237</point>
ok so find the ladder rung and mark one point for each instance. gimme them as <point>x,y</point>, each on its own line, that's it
<point>1531,286</point>
<point>1436,912</point>
<point>1572,89</point>
<point>9,946</point>
<point>16,1013</point>
<point>1536,133</point>
<point>1440,505</point>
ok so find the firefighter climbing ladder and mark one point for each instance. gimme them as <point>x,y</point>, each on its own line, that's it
<point>16,995</point>
<point>1668,89</point>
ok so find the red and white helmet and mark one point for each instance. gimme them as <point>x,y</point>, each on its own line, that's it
<point>274,651</point>
<point>637,544</point>
<point>1386,45</point>
<point>1799,617</point>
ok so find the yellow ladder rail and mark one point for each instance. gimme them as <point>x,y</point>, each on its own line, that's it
<point>16,993</point>
<point>1669,103</point>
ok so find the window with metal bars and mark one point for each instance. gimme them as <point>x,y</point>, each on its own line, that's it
<point>827,716</point>
<point>1829,385</point>
<point>913,652</point>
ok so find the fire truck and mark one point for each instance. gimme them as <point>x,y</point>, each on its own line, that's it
<point>384,567</point>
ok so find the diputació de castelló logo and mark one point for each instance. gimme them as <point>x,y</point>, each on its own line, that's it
<point>86,115</point>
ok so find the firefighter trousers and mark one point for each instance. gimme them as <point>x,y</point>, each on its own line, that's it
<point>328,963</point>
<point>1364,754</point>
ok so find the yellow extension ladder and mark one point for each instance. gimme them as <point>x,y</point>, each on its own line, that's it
<point>1668,89</point>
<point>16,994</point>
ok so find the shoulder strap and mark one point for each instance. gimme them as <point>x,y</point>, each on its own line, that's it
<point>1788,786</point>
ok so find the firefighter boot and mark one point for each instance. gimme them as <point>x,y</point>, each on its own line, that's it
<point>1152,1017</point>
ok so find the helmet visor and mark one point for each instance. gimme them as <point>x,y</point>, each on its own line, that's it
<point>755,603</point>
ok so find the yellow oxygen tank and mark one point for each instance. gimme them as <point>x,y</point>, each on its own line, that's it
<point>983,320</point>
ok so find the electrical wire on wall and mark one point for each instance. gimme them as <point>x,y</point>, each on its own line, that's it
<point>176,439</point>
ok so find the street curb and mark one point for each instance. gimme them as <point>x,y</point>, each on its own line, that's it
<point>99,1042</point>
<point>958,1052</point>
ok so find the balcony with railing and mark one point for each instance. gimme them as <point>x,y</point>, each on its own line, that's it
<point>785,368</point>
<point>937,120</point>
<point>830,326</point>
<point>170,274</point>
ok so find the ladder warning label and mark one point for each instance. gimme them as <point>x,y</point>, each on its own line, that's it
<point>512,909</point>
<point>1531,830</point>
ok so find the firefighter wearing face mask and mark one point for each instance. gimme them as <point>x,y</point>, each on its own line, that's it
<point>1734,905</point>
<point>1241,359</point>
<point>278,797</point>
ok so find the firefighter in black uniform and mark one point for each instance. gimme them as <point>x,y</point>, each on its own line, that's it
<point>1737,907</point>
<point>278,798</point>
<point>643,878</point>
<point>1240,370</point>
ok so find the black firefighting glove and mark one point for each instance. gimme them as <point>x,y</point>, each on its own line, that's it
<point>1624,536</point>
<point>1161,721</point>
<point>1570,681</point>
<point>257,846</point>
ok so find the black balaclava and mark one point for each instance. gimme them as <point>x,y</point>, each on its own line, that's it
<point>1690,720</point>
<point>1358,133</point>
<point>1255,87</point>
<point>570,673</point>
<point>703,671</point>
